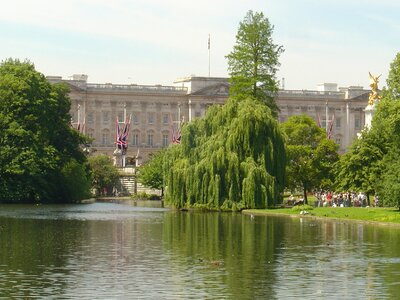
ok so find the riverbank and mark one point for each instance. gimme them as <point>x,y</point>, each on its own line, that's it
<point>389,216</point>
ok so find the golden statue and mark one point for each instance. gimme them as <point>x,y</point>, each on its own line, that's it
<point>373,83</point>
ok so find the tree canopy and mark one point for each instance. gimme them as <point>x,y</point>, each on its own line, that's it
<point>372,162</point>
<point>36,141</point>
<point>104,174</point>
<point>393,80</point>
<point>310,155</point>
<point>151,173</point>
<point>233,158</point>
<point>254,61</point>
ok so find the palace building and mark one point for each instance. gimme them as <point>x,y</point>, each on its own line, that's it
<point>155,108</point>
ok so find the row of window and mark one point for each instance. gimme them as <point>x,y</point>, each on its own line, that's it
<point>150,116</point>
<point>337,122</point>
<point>134,139</point>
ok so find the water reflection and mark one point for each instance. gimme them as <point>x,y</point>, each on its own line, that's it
<point>108,250</point>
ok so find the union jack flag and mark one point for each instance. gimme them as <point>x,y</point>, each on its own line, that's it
<point>176,131</point>
<point>176,136</point>
<point>121,134</point>
<point>80,127</point>
<point>330,128</point>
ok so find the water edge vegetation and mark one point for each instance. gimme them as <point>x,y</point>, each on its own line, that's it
<point>369,214</point>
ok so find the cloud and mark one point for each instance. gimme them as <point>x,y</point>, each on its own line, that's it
<point>156,41</point>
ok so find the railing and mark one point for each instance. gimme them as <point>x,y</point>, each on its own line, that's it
<point>315,94</point>
<point>139,88</point>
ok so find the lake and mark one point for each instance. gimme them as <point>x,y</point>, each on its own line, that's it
<point>133,251</point>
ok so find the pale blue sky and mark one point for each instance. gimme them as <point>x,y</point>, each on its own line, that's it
<point>157,41</point>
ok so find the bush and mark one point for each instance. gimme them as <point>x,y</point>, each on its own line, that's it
<point>145,196</point>
<point>302,207</point>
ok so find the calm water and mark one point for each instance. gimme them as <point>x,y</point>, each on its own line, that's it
<point>116,251</point>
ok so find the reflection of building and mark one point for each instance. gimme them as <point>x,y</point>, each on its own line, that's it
<point>155,107</point>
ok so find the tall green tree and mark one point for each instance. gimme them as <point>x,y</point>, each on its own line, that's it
<point>36,141</point>
<point>393,80</point>
<point>105,175</point>
<point>151,173</point>
<point>388,187</point>
<point>254,61</point>
<point>233,158</point>
<point>310,155</point>
<point>372,161</point>
<point>359,168</point>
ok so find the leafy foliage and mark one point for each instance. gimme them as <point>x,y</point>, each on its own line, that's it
<point>372,163</point>
<point>254,60</point>
<point>76,181</point>
<point>233,158</point>
<point>151,173</point>
<point>310,155</point>
<point>104,174</point>
<point>389,186</point>
<point>359,167</point>
<point>393,80</point>
<point>35,138</point>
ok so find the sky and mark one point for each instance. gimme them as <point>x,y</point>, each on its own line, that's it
<point>158,41</point>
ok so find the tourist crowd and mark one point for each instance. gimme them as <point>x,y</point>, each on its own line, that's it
<point>328,198</point>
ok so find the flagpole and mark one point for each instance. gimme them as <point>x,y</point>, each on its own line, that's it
<point>123,150</point>
<point>79,117</point>
<point>179,114</point>
<point>209,56</point>
<point>326,118</point>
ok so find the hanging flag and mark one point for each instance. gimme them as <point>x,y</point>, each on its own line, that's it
<point>122,134</point>
<point>330,129</point>
<point>208,41</point>
<point>176,136</point>
<point>116,131</point>
<point>175,131</point>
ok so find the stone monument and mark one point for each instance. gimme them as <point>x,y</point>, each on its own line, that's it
<point>373,100</point>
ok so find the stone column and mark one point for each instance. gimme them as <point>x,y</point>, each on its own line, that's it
<point>190,110</point>
<point>369,114</point>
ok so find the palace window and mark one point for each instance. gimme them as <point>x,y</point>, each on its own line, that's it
<point>338,123</point>
<point>150,118</point>
<point>338,140</point>
<point>90,133</point>
<point>121,116</point>
<point>90,118</point>
<point>357,123</point>
<point>165,119</point>
<point>150,139</point>
<point>105,137</point>
<point>135,138</point>
<point>135,118</point>
<point>165,140</point>
<point>106,116</point>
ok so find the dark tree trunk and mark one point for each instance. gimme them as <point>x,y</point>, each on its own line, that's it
<point>305,194</point>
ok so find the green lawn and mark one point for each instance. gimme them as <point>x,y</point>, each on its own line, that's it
<point>377,214</point>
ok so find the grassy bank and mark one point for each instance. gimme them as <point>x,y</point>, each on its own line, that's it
<point>371,214</point>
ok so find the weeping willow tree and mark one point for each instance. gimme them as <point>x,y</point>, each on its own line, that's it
<point>231,159</point>
<point>234,157</point>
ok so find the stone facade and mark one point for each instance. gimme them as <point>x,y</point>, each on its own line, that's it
<point>154,108</point>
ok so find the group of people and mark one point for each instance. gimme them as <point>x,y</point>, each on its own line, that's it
<point>332,199</point>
